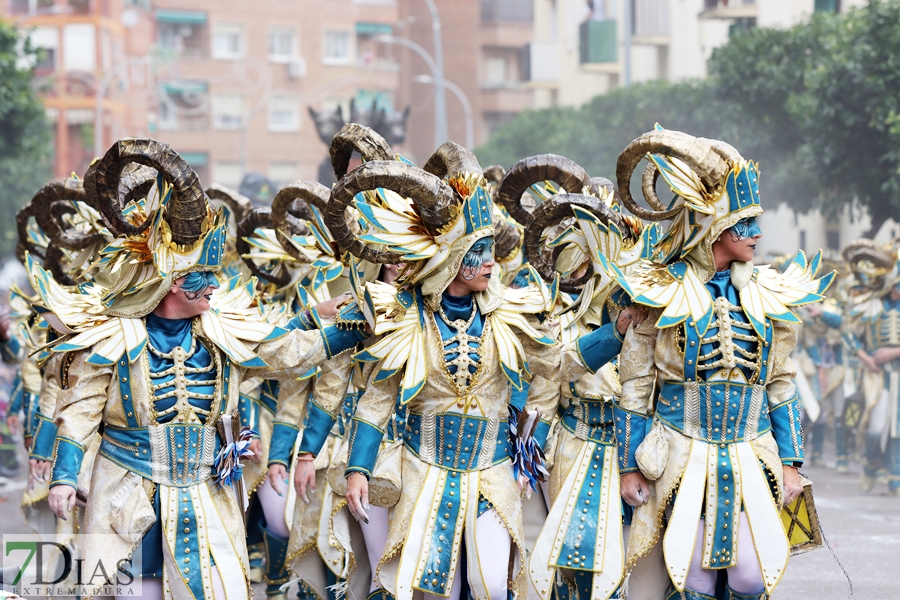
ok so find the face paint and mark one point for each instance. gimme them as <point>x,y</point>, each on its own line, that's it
<point>196,283</point>
<point>745,229</point>
<point>481,252</point>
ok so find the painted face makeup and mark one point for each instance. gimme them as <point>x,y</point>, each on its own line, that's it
<point>744,229</point>
<point>481,252</point>
<point>196,283</point>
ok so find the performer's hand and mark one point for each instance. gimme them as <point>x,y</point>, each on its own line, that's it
<point>40,471</point>
<point>27,441</point>
<point>278,477</point>
<point>61,500</point>
<point>12,421</point>
<point>5,327</point>
<point>629,316</point>
<point>256,448</point>
<point>635,489</point>
<point>792,484</point>
<point>525,486</point>
<point>305,478</point>
<point>358,496</point>
<point>883,355</point>
<point>868,361</point>
<point>329,308</point>
<point>813,311</point>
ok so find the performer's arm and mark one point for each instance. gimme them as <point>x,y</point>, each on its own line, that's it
<point>368,426</point>
<point>45,429</point>
<point>79,411</point>
<point>784,400</point>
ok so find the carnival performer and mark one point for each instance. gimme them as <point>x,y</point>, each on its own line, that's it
<point>157,358</point>
<point>708,410</point>
<point>580,553</point>
<point>454,343</point>
<point>875,323</point>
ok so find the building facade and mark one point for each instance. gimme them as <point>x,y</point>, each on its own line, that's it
<point>582,48</point>
<point>92,73</point>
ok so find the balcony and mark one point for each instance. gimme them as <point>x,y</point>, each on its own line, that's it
<point>541,62</point>
<point>507,11</point>
<point>598,42</point>
<point>651,23</point>
<point>829,6</point>
<point>729,9</point>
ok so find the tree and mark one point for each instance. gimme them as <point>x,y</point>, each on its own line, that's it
<point>25,140</point>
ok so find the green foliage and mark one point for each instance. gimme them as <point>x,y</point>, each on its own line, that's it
<point>816,105</point>
<point>25,140</point>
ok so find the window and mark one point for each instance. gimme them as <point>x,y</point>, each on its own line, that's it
<point>281,45</point>
<point>802,243</point>
<point>337,48</point>
<point>228,173</point>
<point>183,105</point>
<point>833,239</point>
<point>283,113</point>
<point>228,42</point>
<point>495,70</point>
<point>228,111</point>
<point>79,49</point>
<point>283,173</point>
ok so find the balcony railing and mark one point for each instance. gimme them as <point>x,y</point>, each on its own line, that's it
<point>541,62</point>
<point>729,9</point>
<point>32,8</point>
<point>598,42</point>
<point>651,18</point>
<point>514,11</point>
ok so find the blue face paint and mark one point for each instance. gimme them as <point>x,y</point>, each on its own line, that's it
<point>481,252</point>
<point>197,282</point>
<point>745,229</point>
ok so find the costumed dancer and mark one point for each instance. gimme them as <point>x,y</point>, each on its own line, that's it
<point>157,358</point>
<point>875,323</point>
<point>454,343</point>
<point>580,551</point>
<point>708,411</point>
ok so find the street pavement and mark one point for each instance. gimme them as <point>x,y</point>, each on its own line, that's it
<point>862,529</point>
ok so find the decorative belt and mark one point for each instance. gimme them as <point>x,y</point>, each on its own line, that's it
<point>172,454</point>
<point>590,420</point>
<point>716,411</point>
<point>457,442</point>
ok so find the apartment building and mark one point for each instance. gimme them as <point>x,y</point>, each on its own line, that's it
<point>237,80</point>
<point>583,48</point>
<point>93,74</point>
<point>485,58</point>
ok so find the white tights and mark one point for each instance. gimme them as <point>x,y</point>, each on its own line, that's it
<point>492,544</point>
<point>744,578</point>
<point>375,534</point>
<point>151,588</point>
<point>273,508</point>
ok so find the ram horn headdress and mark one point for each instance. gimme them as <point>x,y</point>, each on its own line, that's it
<point>714,188</point>
<point>565,173</point>
<point>169,232</point>
<point>871,264</point>
<point>426,218</point>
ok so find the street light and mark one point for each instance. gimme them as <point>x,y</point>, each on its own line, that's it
<point>440,102</point>
<point>463,99</point>
<point>440,107</point>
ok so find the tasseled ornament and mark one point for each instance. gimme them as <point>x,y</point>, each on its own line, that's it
<point>528,456</point>
<point>228,460</point>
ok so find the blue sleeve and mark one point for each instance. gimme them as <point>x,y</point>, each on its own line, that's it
<point>599,346</point>
<point>17,395</point>
<point>10,350</point>
<point>44,438</point>
<point>248,408</point>
<point>284,436</point>
<point>832,319</point>
<point>67,464</point>
<point>365,440</point>
<point>315,432</point>
<point>338,340</point>
<point>631,429</point>
<point>787,430</point>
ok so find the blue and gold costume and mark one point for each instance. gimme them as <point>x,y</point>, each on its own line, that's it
<point>166,391</point>
<point>453,362</point>
<point>714,414</point>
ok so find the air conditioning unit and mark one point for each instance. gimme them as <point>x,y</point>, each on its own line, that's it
<point>297,68</point>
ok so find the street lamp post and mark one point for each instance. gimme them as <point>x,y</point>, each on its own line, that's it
<point>440,107</point>
<point>463,99</point>
<point>440,102</point>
